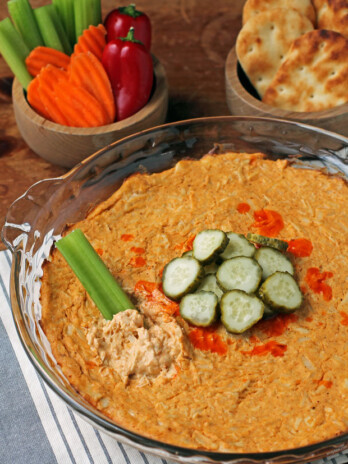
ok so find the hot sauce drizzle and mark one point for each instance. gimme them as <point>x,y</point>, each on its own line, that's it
<point>276,326</point>
<point>127,237</point>
<point>137,261</point>
<point>186,245</point>
<point>300,247</point>
<point>344,320</point>
<point>272,347</point>
<point>315,280</point>
<point>243,208</point>
<point>268,222</point>
<point>152,292</point>
<point>206,339</point>
<point>138,250</point>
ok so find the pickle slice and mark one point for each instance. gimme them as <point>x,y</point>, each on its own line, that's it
<point>271,261</point>
<point>180,276</point>
<point>200,308</point>
<point>209,284</point>
<point>281,292</point>
<point>239,273</point>
<point>240,311</point>
<point>238,245</point>
<point>208,244</point>
<point>267,241</point>
<point>187,253</point>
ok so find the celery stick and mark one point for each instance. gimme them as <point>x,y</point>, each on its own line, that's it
<point>65,10</point>
<point>93,274</point>
<point>51,29</point>
<point>87,12</point>
<point>14,51</point>
<point>23,18</point>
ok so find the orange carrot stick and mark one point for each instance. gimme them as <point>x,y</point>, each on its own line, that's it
<point>87,71</point>
<point>92,40</point>
<point>34,99</point>
<point>49,78</point>
<point>42,56</point>
<point>79,107</point>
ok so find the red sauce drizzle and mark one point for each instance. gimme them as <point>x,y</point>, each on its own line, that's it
<point>300,247</point>
<point>137,261</point>
<point>268,222</point>
<point>206,339</point>
<point>276,326</point>
<point>138,250</point>
<point>127,237</point>
<point>272,347</point>
<point>243,208</point>
<point>100,251</point>
<point>186,245</point>
<point>152,292</point>
<point>315,280</point>
<point>344,320</point>
<point>326,383</point>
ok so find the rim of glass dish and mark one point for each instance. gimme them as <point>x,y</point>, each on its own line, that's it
<point>151,445</point>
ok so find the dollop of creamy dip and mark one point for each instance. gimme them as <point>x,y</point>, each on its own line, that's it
<point>137,347</point>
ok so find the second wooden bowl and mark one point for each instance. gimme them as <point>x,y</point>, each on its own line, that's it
<point>242,100</point>
<point>67,146</point>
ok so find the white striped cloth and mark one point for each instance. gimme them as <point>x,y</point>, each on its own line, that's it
<point>36,426</point>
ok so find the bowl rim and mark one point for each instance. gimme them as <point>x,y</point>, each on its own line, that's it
<point>160,89</point>
<point>336,444</point>
<point>232,78</point>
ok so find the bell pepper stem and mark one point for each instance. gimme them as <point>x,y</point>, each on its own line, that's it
<point>130,37</point>
<point>130,10</point>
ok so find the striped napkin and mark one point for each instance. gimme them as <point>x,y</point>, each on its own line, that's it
<point>36,426</point>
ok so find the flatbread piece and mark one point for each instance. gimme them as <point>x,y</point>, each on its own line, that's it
<point>332,15</point>
<point>254,7</point>
<point>314,75</point>
<point>264,41</point>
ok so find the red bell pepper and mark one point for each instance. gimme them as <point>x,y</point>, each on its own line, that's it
<point>119,21</point>
<point>130,69</point>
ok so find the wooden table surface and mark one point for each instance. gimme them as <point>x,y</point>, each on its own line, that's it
<point>190,37</point>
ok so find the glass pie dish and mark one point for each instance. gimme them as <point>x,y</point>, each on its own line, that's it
<point>37,218</point>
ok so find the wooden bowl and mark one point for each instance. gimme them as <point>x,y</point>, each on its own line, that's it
<point>242,100</point>
<point>67,146</point>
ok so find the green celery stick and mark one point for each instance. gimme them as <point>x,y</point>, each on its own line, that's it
<point>93,274</point>
<point>87,12</point>
<point>23,18</point>
<point>51,29</point>
<point>65,10</point>
<point>14,51</point>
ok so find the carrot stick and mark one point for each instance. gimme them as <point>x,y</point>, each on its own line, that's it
<point>78,105</point>
<point>92,40</point>
<point>49,78</point>
<point>87,71</point>
<point>42,56</point>
<point>34,99</point>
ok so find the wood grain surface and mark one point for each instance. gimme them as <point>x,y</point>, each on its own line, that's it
<point>191,38</point>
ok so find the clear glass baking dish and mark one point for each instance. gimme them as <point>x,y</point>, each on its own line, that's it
<point>41,214</point>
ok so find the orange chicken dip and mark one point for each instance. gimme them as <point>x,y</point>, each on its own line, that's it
<point>283,383</point>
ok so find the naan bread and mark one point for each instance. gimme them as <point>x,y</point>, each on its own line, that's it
<point>254,7</point>
<point>332,15</point>
<point>314,75</point>
<point>264,41</point>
